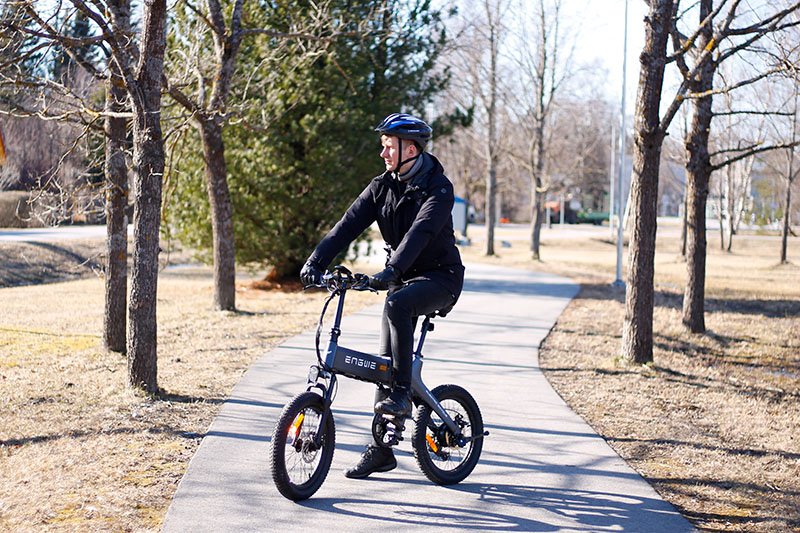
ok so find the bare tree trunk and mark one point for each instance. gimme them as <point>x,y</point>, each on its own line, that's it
<point>786,218</point>
<point>148,161</point>
<point>637,327</point>
<point>116,171</point>
<point>730,179</point>
<point>491,207</point>
<point>637,332</point>
<point>684,220</point>
<point>537,164</point>
<point>536,194</point>
<point>208,110</point>
<point>221,215</point>
<point>731,231</point>
<point>537,148</point>
<point>491,145</point>
<point>693,297</point>
<point>733,193</point>
<point>538,216</point>
<point>148,165</point>
<point>720,215</point>
<point>789,181</point>
<point>698,174</point>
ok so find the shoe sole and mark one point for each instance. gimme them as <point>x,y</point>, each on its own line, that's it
<point>385,468</point>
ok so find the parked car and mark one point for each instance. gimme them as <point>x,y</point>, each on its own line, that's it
<point>592,217</point>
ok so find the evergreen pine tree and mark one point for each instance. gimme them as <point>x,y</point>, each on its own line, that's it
<point>293,180</point>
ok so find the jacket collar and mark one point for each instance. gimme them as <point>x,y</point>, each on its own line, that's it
<point>430,166</point>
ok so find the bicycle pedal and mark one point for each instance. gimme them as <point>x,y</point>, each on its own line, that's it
<point>394,433</point>
<point>396,427</point>
<point>392,440</point>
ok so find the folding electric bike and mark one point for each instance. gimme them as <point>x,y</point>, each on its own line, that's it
<point>448,429</point>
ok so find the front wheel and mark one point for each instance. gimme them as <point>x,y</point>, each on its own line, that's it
<point>442,457</point>
<point>302,447</point>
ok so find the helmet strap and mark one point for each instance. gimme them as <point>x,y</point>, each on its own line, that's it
<point>400,164</point>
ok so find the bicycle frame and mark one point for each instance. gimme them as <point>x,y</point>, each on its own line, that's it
<point>447,443</point>
<point>364,366</point>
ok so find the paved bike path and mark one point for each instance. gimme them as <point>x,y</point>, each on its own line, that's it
<point>542,468</point>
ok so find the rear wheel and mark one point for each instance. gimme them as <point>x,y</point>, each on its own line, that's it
<point>442,457</point>
<point>302,447</point>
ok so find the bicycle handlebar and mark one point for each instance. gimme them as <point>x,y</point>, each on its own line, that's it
<point>341,279</point>
<point>337,282</point>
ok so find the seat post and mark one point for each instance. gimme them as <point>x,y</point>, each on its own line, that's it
<point>427,326</point>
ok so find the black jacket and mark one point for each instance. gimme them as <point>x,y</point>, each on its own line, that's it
<point>415,219</point>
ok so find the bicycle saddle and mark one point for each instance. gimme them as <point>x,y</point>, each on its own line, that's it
<point>441,312</point>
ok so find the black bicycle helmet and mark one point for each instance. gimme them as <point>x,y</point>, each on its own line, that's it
<point>406,126</point>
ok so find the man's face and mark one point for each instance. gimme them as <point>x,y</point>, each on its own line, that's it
<point>391,153</point>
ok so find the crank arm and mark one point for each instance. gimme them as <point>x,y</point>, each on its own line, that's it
<point>466,440</point>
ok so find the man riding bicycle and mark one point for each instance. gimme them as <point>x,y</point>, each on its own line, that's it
<point>412,202</point>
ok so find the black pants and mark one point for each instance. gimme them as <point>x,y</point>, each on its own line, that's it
<point>403,305</point>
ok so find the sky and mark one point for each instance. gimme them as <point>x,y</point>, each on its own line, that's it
<point>599,27</point>
<point>598,30</point>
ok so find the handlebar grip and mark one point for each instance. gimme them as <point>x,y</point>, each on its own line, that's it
<point>362,282</point>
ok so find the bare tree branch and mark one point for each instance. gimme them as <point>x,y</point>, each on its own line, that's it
<point>765,27</point>
<point>753,152</point>
<point>53,35</point>
<point>737,150</point>
<point>735,86</point>
<point>218,21</point>
<point>753,112</point>
<point>178,95</point>
<point>762,30</point>
<point>768,24</point>
<point>200,15</point>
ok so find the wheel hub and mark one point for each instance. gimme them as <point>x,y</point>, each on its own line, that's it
<point>307,449</point>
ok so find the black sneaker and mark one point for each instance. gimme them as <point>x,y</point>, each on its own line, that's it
<point>398,404</point>
<point>374,459</point>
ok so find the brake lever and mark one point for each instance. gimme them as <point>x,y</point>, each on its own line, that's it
<point>324,280</point>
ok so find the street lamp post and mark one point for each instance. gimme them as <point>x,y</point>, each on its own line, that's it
<point>621,167</point>
<point>611,175</point>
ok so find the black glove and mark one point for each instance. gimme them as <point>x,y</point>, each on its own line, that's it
<point>310,274</point>
<point>383,279</point>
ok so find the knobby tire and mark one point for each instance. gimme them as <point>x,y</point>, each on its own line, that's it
<point>298,467</point>
<point>452,463</point>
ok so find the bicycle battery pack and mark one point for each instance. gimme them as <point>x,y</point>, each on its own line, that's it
<point>363,366</point>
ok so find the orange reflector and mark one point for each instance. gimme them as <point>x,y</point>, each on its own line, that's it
<point>295,429</point>
<point>431,443</point>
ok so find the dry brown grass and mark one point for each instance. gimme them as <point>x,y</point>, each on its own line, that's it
<point>79,451</point>
<point>713,423</point>
<point>30,263</point>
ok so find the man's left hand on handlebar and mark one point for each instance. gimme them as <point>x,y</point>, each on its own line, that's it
<point>311,274</point>
<point>385,278</point>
